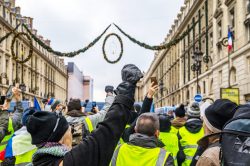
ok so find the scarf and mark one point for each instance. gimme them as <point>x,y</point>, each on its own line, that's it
<point>51,148</point>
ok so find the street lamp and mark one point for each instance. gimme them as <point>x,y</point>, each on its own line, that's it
<point>196,66</point>
<point>161,87</point>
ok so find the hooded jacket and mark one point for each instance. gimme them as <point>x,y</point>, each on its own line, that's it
<point>97,149</point>
<point>193,125</point>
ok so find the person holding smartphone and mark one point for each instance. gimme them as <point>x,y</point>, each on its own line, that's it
<point>9,123</point>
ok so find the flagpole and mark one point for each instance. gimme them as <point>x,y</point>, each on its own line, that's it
<point>228,53</point>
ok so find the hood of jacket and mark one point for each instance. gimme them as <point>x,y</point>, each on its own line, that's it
<point>76,113</point>
<point>193,125</point>
<point>143,140</point>
<point>178,122</point>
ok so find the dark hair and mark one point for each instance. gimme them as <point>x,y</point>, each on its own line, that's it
<point>74,104</point>
<point>165,123</point>
<point>147,124</point>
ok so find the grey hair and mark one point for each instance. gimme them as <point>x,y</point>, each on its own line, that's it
<point>148,124</point>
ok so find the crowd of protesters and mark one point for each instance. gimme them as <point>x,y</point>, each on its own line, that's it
<point>123,133</point>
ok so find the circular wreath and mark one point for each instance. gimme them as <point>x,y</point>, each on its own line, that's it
<point>30,51</point>
<point>104,52</point>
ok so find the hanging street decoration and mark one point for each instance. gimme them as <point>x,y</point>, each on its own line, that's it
<point>103,48</point>
<point>31,36</point>
<point>14,56</point>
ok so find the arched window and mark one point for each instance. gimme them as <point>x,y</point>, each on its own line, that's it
<point>233,78</point>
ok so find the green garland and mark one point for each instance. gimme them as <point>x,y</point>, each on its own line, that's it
<point>30,51</point>
<point>30,35</point>
<point>8,34</point>
<point>104,52</point>
<point>161,47</point>
<point>69,54</point>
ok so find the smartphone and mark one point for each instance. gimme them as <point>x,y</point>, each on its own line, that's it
<point>93,104</point>
<point>9,93</point>
<point>154,81</point>
<point>2,99</point>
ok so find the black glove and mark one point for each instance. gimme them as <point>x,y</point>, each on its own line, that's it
<point>109,88</point>
<point>131,73</point>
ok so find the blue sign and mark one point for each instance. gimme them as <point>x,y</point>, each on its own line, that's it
<point>198,98</point>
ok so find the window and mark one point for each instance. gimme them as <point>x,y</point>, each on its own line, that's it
<point>219,30</point>
<point>204,87</point>
<point>220,77</point>
<point>232,20</point>
<point>248,65</point>
<point>211,87</point>
<point>233,76</point>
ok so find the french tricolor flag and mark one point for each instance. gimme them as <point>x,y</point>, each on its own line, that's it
<point>230,40</point>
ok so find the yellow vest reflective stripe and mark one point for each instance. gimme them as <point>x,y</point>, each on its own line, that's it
<point>189,143</point>
<point>171,143</point>
<point>130,155</point>
<point>89,124</point>
<point>121,140</point>
<point>25,158</point>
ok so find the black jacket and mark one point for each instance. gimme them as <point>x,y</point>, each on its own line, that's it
<point>193,125</point>
<point>146,106</point>
<point>97,149</point>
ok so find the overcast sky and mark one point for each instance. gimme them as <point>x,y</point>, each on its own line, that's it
<point>72,24</point>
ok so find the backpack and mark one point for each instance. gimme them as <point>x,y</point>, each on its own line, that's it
<point>79,132</point>
<point>235,139</point>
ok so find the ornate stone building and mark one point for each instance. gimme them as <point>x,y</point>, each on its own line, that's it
<point>44,74</point>
<point>208,21</point>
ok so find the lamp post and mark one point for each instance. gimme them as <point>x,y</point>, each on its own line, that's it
<point>196,66</point>
<point>161,87</point>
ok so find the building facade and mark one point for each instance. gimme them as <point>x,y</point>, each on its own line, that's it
<point>207,22</point>
<point>44,75</point>
<point>88,85</point>
<point>75,82</point>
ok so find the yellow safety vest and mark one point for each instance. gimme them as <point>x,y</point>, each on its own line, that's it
<point>89,124</point>
<point>189,143</point>
<point>121,140</point>
<point>5,140</point>
<point>171,142</point>
<point>130,155</point>
<point>24,159</point>
<point>174,130</point>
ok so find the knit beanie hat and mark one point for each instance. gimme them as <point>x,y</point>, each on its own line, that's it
<point>217,114</point>
<point>194,110</point>
<point>74,104</point>
<point>46,127</point>
<point>54,104</point>
<point>180,111</point>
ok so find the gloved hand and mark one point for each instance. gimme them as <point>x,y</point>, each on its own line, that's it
<point>131,74</point>
<point>109,89</point>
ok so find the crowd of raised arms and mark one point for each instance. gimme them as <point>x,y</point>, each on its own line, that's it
<point>123,133</point>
